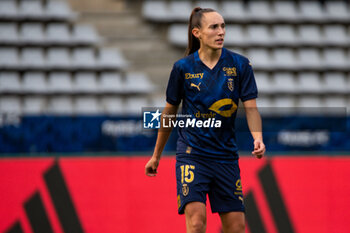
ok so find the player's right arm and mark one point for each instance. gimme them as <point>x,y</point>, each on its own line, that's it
<point>162,138</point>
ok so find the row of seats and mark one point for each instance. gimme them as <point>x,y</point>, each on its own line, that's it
<point>305,82</point>
<point>133,105</point>
<point>68,105</point>
<point>304,104</point>
<point>80,82</point>
<point>263,11</point>
<point>299,59</point>
<point>24,10</point>
<point>52,33</point>
<point>60,58</point>
<point>273,35</point>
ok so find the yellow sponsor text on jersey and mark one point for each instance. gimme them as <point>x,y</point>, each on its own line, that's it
<point>190,76</point>
<point>220,104</point>
<point>230,71</point>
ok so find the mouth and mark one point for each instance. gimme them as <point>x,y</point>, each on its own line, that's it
<point>220,41</point>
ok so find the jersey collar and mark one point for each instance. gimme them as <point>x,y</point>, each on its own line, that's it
<point>198,60</point>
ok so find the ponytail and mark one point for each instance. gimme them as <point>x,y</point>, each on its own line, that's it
<point>195,22</point>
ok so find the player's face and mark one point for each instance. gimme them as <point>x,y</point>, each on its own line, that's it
<point>212,31</point>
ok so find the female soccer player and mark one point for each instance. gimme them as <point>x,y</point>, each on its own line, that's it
<point>209,81</point>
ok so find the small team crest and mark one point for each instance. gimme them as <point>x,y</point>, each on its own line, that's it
<point>185,189</point>
<point>230,71</point>
<point>230,84</point>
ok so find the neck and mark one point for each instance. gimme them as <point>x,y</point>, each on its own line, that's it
<point>208,54</point>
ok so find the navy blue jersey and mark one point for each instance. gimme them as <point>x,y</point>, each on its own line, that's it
<point>210,93</point>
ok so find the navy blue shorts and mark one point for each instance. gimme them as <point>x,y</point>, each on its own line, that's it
<point>196,178</point>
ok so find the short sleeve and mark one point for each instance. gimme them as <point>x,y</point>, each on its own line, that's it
<point>247,83</point>
<point>174,92</point>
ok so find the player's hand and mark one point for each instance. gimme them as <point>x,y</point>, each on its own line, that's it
<point>151,167</point>
<point>259,148</point>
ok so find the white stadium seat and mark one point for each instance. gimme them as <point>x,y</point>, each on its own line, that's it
<point>284,58</point>
<point>84,57</point>
<point>336,34</point>
<point>58,9</point>
<point>34,82</point>
<point>310,34</point>
<point>284,105</point>
<point>58,58</point>
<point>309,82</point>
<point>335,82</point>
<point>258,34</point>
<point>311,9</point>
<point>111,82</point>
<point>32,32</point>
<point>58,32</point>
<point>260,57</point>
<point>32,57</point>
<point>113,105</point>
<point>335,58</point>
<point>259,10</point>
<point>61,105</point>
<point>138,82</point>
<point>155,10</point>
<point>310,105</point>
<point>8,9</point>
<point>284,102</point>
<point>10,104</point>
<point>263,82</point>
<point>87,105</point>
<point>8,32</point>
<point>335,102</point>
<point>85,82</point>
<point>84,34</point>
<point>309,58</point>
<point>337,9</point>
<point>235,35</point>
<point>111,58</point>
<point>31,8</point>
<point>285,10</point>
<point>283,34</point>
<point>207,4</point>
<point>233,10</point>
<point>180,10</point>
<point>285,82</point>
<point>10,82</point>
<point>264,102</point>
<point>60,82</point>
<point>34,105</point>
<point>134,105</point>
<point>9,57</point>
<point>177,34</point>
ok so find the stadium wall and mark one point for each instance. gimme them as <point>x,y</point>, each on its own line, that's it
<point>112,194</point>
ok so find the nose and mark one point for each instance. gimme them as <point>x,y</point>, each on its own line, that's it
<point>221,31</point>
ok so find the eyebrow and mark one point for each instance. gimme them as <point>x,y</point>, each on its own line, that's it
<point>216,24</point>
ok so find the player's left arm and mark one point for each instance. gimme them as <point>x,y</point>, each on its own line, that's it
<point>255,127</point>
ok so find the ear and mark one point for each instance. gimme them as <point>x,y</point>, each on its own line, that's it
<point>196,32</point>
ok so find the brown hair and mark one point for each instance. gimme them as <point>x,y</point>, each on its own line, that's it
<point>195,21</point>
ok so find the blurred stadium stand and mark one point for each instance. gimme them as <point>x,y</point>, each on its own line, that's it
<point>112,57</point>
<point>45,50</point>
<point>296,47</point>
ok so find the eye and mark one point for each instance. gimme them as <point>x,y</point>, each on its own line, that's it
<point>215,26</point>
<point>223,25</point>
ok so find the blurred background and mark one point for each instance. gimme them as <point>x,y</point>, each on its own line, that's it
<point>75,75</point>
